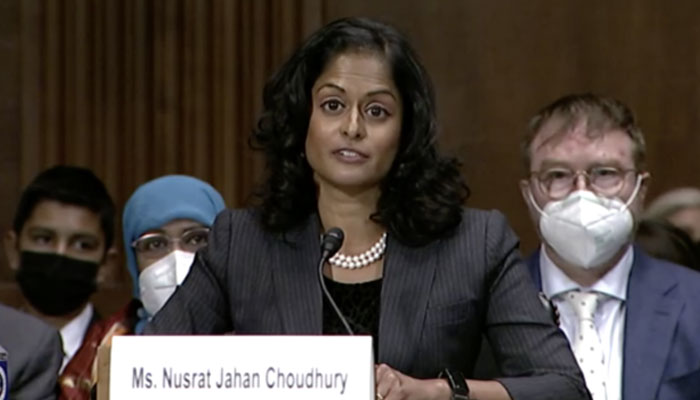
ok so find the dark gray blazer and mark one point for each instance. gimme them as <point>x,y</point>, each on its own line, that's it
<point>34,355</point>
<point>436,300</point>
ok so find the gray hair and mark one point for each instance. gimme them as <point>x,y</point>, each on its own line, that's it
<point>674,200</point>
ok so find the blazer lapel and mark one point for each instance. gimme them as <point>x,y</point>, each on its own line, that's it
<point>295,277</point>
<point>651,318</point>
<point>408,277</point>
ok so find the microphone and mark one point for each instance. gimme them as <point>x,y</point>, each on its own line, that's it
<point>331,242</point>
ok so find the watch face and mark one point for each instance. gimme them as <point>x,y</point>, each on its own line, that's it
<point>458,385</point>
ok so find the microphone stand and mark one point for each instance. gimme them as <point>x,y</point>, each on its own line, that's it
<point>330,244</point>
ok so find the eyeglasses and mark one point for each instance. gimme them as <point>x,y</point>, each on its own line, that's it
<point>559,182</point>
<point>156,245</point>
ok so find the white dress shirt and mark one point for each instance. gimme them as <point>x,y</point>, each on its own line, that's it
<point>73,333</point>
<point>609,316</point>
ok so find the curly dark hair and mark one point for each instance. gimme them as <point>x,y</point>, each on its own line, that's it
<point>423,193</point>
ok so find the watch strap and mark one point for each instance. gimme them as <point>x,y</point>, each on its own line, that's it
<point>457,383</point>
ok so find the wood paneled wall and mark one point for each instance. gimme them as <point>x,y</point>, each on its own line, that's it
<point>136,89</point>
<point>139,88</point>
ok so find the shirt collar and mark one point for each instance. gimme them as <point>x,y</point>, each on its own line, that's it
<point>73,332</point>
<point>612,284</point>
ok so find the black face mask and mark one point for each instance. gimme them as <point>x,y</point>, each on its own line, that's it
<point>55,284</point>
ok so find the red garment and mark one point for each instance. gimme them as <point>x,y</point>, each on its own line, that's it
<point>80,375</point>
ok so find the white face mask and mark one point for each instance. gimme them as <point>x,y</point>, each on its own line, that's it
<point>158,281</point>
<point>586,230</point>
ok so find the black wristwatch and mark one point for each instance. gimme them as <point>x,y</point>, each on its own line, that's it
<point>458,385</point>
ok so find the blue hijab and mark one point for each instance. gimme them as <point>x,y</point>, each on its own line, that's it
<point>160,201</point>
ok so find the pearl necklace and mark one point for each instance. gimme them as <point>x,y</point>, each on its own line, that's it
<point>361,260</point>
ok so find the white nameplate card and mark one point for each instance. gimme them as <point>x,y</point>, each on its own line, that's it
<point>241,367</point>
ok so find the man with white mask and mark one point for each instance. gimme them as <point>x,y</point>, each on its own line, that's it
<point>633,321</point>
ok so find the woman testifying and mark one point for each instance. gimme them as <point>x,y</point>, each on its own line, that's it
<point>349,130</point>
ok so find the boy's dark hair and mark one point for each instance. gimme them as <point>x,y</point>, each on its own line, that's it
<point>69,185</point>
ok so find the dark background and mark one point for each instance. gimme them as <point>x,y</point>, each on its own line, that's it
<point>135,89</point>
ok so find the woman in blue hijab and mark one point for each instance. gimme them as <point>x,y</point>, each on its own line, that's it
<point>165,222</point>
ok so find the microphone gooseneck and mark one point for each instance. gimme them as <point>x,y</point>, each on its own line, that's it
<point>331,241</point>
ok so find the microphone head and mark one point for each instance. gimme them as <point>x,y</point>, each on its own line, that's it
<point>332,241</point>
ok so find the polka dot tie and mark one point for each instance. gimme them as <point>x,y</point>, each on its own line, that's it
<point>586,344</point>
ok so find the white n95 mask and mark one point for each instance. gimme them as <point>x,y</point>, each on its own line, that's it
<point>159,280</point>
<point>585,229</point>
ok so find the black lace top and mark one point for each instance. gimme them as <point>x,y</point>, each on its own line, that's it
<point>359,303</point>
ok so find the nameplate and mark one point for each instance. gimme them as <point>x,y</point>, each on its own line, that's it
<point>241,367</point>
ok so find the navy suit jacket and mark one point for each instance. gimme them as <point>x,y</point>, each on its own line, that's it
<point>436,300</point>
<point>661,356</point>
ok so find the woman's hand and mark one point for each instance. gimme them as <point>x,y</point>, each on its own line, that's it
<point>393,385</point>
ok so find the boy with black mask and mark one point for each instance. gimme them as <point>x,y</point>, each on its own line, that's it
<point>61,237</point>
